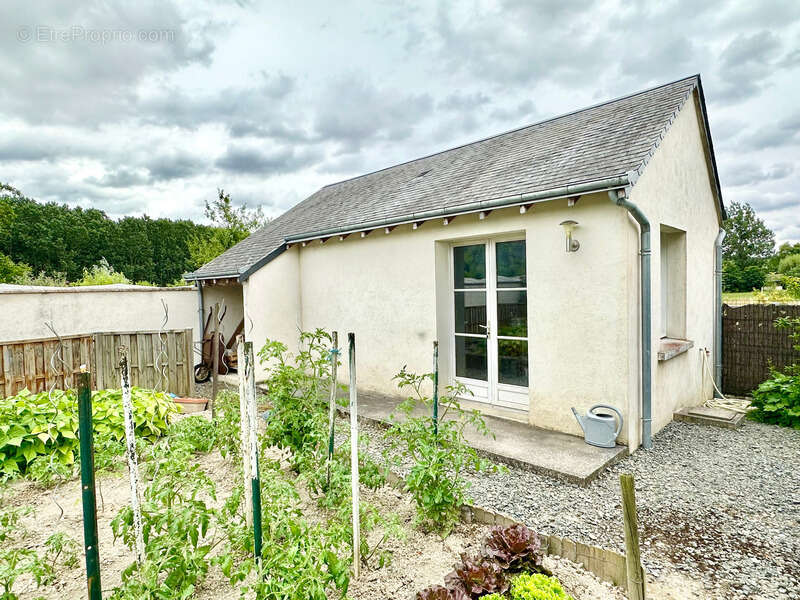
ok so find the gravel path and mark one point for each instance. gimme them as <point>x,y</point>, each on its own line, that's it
<point>721,506</point>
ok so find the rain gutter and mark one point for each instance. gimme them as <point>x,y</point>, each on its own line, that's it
<point>718,311</point>
<point>618,198</point>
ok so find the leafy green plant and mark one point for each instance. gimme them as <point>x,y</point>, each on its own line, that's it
<point>43,427</point>
<point>19,561</point>
<point>537,587</point>
<point>777,400</point>
<point>477,575</point>
<point>60,545</point>
<point>440,460</point>
<point>101,274</point>
<point>514,547</point>
<point>297,384</point>
<point>438,592</point>
<point>494,596</point>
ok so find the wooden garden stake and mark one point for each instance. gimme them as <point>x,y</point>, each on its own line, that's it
<point>88,485</point>
<point>130,451</point>
<point>354,480</point>
<point>244,429</point>
<point>252,417</point>
<point>436,387</point>
<point>215,357</point>
<point>332,407</point>
<point>631,523</point>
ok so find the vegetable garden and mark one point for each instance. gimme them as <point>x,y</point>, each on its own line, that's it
<point>198,537</point>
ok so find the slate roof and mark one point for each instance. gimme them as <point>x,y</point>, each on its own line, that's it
<point>603,141</point>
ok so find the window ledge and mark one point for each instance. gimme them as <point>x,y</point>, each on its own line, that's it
<point>670,348</point>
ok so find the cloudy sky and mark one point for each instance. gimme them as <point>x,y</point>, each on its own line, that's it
<point>148,107</point>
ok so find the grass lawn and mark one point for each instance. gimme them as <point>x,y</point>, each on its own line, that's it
<point>744,297</point>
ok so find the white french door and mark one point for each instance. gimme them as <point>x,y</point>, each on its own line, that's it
<point>490,321</point>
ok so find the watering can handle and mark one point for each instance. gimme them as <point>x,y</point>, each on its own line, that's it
<point>619,414</point>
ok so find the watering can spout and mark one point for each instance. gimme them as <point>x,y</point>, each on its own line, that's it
<point>579,419</point>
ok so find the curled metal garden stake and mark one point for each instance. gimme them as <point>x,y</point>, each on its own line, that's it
<point>252,416</point>
<point>162,357</point>
<point>244,429</point>
<point>130,451</point>
<point>332,407</point>
<point>354,480</point>
<point>88,485</point>
<point>436,387</point>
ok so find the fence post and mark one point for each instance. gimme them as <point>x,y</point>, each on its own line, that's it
<point>354,479</point>
<point>130,451</point>
<point>88,485</point>
<point>332,407</point>
<point>244,428</point>
<point>436,387</point>
<point>635,572</point>
<point>252,417</point>
<point>214,357</point>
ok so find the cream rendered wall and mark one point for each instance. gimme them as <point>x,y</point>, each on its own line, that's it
<point>272,301</point>
<point>675,190</point>
<point>384,288</point>
<point>230,297</point>
<point>84,310</point>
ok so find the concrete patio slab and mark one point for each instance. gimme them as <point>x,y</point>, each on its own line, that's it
<point>703,415</point>
<point>550,453</point>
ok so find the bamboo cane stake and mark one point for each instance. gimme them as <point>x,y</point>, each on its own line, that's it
<point>88,497</point>
<point>214,358</point>
<point>354,479</point>
<point>332,404</point>
<point>130,452</point>
<point>252,417</point>
<point>635,572</point>
<point>244,428</point>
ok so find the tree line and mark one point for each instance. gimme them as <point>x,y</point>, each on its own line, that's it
<point>750,260</point>
<point>43,243</point>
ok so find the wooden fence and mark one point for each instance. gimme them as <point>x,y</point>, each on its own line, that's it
<point>29,364</point>
<point>751,343</point>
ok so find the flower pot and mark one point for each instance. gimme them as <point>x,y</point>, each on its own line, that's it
<point>191,405</point>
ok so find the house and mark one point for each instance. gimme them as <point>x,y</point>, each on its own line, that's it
<point>567,263</point>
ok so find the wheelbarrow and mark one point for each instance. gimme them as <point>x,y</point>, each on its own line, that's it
<point>203,370</point>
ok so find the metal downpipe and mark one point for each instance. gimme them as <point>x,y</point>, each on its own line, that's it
<point>646,310</point>
<point>718,312</point>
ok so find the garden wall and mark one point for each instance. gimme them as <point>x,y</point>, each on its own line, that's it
<point>24,310</point>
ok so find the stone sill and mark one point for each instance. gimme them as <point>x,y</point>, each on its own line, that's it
<point>670,348</point>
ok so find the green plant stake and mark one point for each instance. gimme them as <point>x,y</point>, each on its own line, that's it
<point>252,415</point>
<point>87,485</point>
<point>354,479</point>
<point>332,407</point>
<point>436,387</point>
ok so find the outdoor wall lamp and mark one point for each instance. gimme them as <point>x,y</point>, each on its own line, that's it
<point>569,227</point>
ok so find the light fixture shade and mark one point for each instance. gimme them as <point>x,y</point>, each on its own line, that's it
<point>569,225</point>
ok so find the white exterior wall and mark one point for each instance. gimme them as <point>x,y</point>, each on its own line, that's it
<point>84,310</point>
<point>272,301</point>
<point>675,190</point>
<point>384,288</point>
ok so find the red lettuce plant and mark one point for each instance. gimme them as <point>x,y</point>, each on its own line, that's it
<point>477,575</point>
<point>437,592</point>
<point>515,548</point>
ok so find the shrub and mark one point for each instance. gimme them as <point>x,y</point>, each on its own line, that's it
<point>440,459</point>
<point>36,427</point>
<point>777,400</point>
<point>102,274</point>
<point>537,587</point>
<point>790,265</point>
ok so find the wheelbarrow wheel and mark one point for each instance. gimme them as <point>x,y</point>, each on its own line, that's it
<point>202,373</point>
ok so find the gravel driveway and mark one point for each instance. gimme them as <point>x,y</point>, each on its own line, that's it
<point>721,506</point>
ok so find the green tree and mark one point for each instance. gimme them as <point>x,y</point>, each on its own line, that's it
<point>11,272</point>
<point>231,225</point>
<point>790,265</point>
<point>748,241</point>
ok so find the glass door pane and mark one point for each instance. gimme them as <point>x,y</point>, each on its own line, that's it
<point>512,313</point>
<point>471,320</point>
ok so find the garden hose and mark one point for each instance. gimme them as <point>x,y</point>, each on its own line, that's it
<point>740,405</point>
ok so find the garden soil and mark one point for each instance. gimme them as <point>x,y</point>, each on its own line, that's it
<point>418,559</point>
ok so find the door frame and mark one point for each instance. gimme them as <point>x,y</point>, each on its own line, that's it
<point>492,386</point>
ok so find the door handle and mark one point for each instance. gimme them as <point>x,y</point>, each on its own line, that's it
<point>487,328</point>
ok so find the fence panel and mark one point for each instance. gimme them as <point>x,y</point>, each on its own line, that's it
<point>144,348</point>
<point>750,344</point>
<point>28,364</point>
